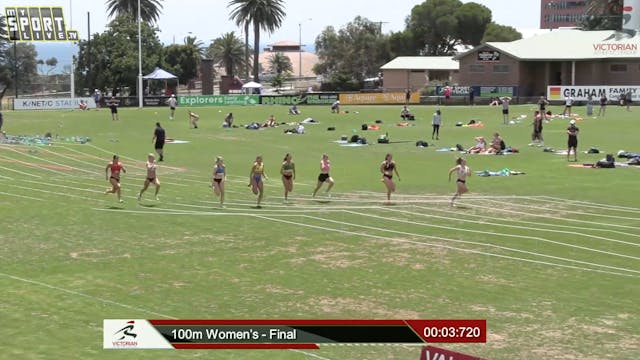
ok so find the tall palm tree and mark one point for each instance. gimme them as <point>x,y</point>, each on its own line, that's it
<point>280,63</point>
<point>228,50</point>
<point>196,45</point>
<point>243,19</point>
<point>150,10</point>
<point>265,15</point>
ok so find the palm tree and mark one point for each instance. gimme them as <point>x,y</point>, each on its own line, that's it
<point>196,45</point>
<point>228,50</point>
<point>242,18</point>
<point>280,63</point>
<point>265,15</point>
<point>150,10</point>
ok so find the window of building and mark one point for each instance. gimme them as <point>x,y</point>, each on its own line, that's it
<point>500,68</point>
<point>617,68</point>
<point>476,68</point>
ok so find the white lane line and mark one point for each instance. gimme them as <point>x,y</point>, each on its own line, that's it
<point>22,196</point>
<point>76,293</point>
<point>68,167</point>
<point>539,228</point>
<point>588,203</point>
<point>6,177</point>
<point>20,172</point>
<point>386,238</point>
<point>492,233</point>
<point>563,211</point>
<point>32,165</point>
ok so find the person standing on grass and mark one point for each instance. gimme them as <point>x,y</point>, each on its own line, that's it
<point>159,137</point>
<point>387,168</point>
<point>572,141</point>
<point>172,102</point>
<point>324,177</point>
<point>505,110</point>
<point>568,103</point>
<point>255,179</point>
<point>407,97</point>
<point>435,123</point>
<point>113,105</point>
<point>219,177</point>
<point>536,136</point>
<point>462,171</point>
<point>542,105</point>
<point>628,100</point>
<point>151,178</point>
<point>603,105</point>
<point>472,97</point>
<point>115,167</point>
<point>193,119</point>
<point>288,172</point>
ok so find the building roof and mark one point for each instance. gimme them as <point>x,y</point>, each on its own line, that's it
<point>568,45</point>
<point>285,43</point>
<point>422,63</point>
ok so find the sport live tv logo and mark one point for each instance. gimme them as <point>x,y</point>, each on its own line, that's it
<point>38,24</point>
<point>132,334</point>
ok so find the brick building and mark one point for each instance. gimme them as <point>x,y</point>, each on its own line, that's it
<point>563,57</point>
<point>561,13</point>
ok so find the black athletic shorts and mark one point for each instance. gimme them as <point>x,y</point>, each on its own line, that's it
<point>323,177</point>
<point>159,145</point>
<point>573,142</point>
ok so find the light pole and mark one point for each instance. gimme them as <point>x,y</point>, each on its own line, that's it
<point>300,49</point>
<point>140,90</point>
<point>73,75</point>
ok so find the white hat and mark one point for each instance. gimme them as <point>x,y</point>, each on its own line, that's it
<point>572,122</point>
<point>173,95</point>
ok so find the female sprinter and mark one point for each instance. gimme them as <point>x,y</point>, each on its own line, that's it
<point>462,170</point>
<point>324,177</point>
<point>255,179</point>
<point>115,166</point>
<point>152,178</point>
<point>288,171</point>
<point>387,168</point>
<point>219,176</point>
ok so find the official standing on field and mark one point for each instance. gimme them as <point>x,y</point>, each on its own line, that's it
<point>159,137</point>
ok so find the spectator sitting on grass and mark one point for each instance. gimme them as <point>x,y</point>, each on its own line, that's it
<point>479,147</point>
<point>496,144</point>
<point>294,110</point>
<point>406,114</point>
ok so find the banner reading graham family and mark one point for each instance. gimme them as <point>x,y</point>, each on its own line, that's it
<point>582,93</point>
<point>218,100</point>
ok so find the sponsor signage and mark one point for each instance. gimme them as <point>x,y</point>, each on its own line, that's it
<point>582,93</point>
<point>38,23</point>
<point>218,100</point>
<point>615,49</point>
<point>482,91</point>
<point>495,91</point>
<point>51,103</point>
<point>488,56</point>
<point>378,98</point>
<point>308,99</point>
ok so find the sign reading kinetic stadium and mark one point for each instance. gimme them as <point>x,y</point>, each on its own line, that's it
<point>38,23</point>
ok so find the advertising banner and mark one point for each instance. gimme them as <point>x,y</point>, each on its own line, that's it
<point>218,100</point>
<point>378,98</point>
<point>51,103</point>
<point>481,91</point>
<point>308,99</point>
<point>582,93</point>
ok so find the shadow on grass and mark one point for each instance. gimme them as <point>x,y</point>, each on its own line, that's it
<point>148,205</point>
<point>115,207</point>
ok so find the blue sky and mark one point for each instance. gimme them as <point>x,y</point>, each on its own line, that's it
<point>208,19</point>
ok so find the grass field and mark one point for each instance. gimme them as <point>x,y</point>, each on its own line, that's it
<point>551,259</point>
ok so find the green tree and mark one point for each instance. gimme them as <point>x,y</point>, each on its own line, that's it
<point>280,64</point>
<point>266,15</point>
<point>241,16</point>
<point>473,20</point>
<point>150,10</point>
<point>6,73</point>
<point>22,57</point>
<point>435,26</point>
<point>195,45</point>
<point>500,33</point>
<point>228,51</point>
<point>112,58</point>
<point>356,51</point>
<point>603,15</point>
<point>182,61</point>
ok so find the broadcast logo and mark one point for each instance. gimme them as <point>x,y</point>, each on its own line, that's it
<point>125,337</point>
<point>38,23</point>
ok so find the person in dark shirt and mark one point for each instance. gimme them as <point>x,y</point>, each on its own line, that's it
<point>159,138</point>
<point>113,105</point>
<point>572,132</point>
<point>603,105</point>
